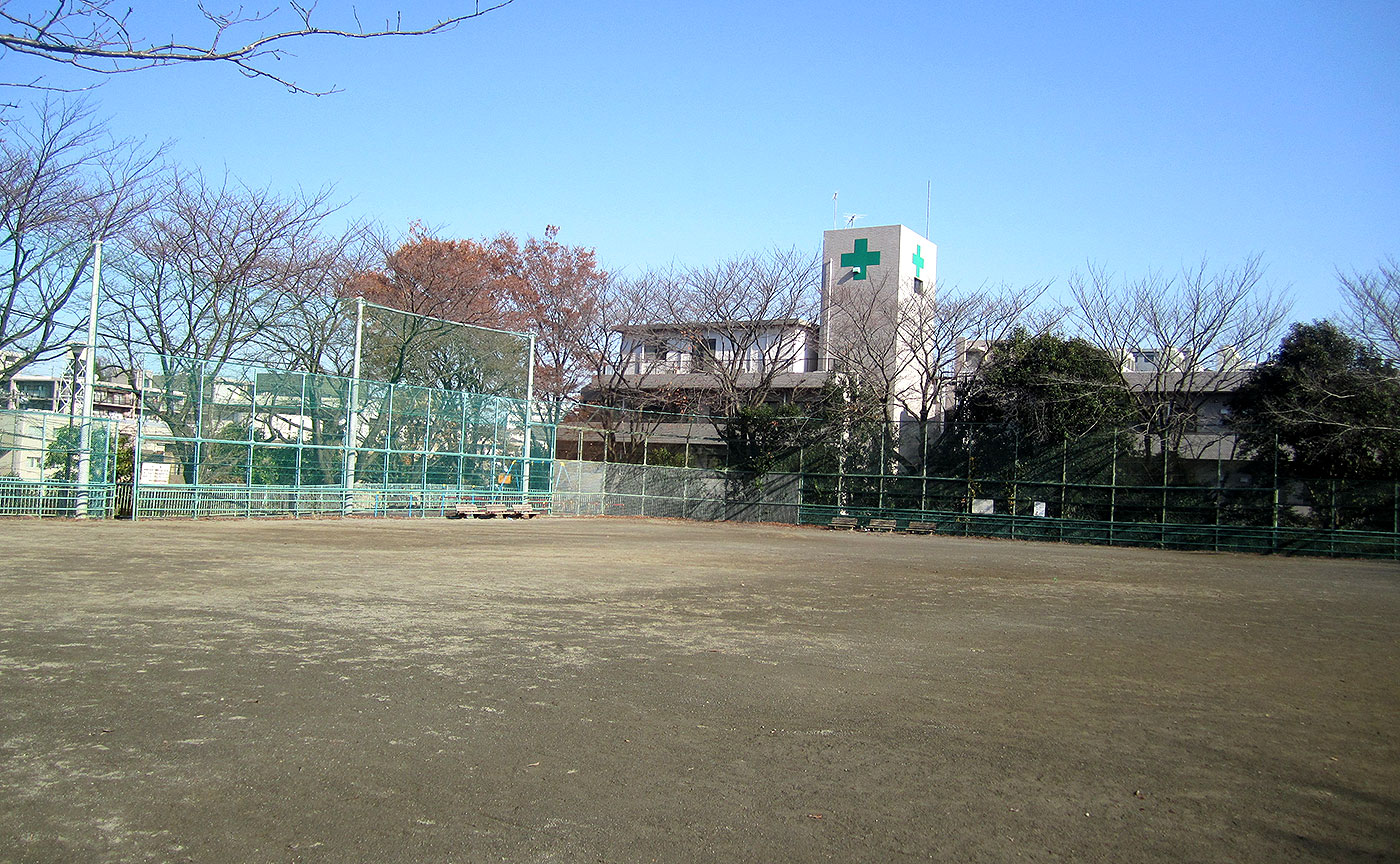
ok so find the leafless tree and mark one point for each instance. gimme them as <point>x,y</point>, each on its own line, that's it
<point>863,342</point>
<point>1181,339</point>
<point>201,280</point>
<point>751,306</point>
<point>1371,307</point>
<point>314,330</point>
<point>64,184</point>
<point>943,333</point>
<point>905,356</point>
<point>105,37</point>
<point>629,392</point>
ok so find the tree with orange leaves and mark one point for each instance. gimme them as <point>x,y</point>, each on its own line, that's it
<point>557,296</point>
<point>466,281</point>
<point>460,281</point>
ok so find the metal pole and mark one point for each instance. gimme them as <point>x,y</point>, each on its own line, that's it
<point>301,447</point>
<point>136,443</point>
<point>880,491</point>
<point>1064,484</point>
<point>80,508</point>
<point>352,431</point>
<point>193,479</point>
<point>1273,533</point>
<point>923,471</point>
<point>252,424</point>
<point>427,446</point>
<point>529,409</point>
<point>1112,490</point>
<point>1162,519</point>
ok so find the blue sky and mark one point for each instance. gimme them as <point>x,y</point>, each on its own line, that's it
<point>1136,136</point>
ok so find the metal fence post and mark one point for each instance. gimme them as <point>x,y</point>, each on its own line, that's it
<point>1064,484</point>
<point>136,445</point>
<point>1113,489</point>
<point>884,466</point>
<point>198,439</point>
<point>1273,509</point>
<point>1162,520</point>
<point>923,468</point>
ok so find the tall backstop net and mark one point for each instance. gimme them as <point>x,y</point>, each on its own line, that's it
<point>438,414</point>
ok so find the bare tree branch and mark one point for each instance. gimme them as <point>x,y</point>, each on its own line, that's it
<point>98,36</point>
<point>64,184</point>
<point>1372,307</point>
<point>1181,339</point>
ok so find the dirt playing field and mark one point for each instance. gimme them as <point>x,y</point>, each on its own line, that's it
<point>629,690</point>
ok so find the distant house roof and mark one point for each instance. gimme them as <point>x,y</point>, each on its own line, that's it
<point>690,326</point>
<point>1204,381</point>
<point>707,381</point>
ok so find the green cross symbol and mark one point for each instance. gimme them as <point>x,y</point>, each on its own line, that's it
<point>860,258</point>
<point>918,262</point>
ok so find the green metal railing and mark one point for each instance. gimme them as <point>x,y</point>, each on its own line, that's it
<point>40,464</point>
<point>231,439</point>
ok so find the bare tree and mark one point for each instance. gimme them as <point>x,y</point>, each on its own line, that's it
<point>863,341</point>
<point>64,184</point>
<point>629,391</point>
<point>1371,307</point>
<point>101,36</point>
<point>941,333</point>
<point>201,280</point>
<point>905,356</point>
<point>1181,339</point>
<point>751,307</point>
<point>315,328</point>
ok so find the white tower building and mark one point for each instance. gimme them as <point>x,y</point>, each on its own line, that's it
<point>866,274</point>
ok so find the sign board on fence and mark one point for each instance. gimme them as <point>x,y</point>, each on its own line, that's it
<point>1038,509</point>
<point>983,505</point>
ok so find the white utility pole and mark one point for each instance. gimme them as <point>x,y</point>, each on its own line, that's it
<point>529,410</point>
<point>80,505</point>
<point>352,430</point>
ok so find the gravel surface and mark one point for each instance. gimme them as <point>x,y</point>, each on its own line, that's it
<point>647,690</point>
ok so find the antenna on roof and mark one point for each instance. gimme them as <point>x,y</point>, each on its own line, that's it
<point>852,217</point>
<point>834,217</point>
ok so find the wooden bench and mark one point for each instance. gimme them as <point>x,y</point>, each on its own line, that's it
<point>847,523</point>
<point>462,511</point>
<point>922,528</point>
<point>491,511</point>
<point>881,525</point>
<point>522,511</point>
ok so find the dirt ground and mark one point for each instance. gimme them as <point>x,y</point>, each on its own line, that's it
<point>640,690</point>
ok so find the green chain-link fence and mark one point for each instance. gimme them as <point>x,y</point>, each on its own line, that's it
<point>41,465</point>
<point>239,440</point>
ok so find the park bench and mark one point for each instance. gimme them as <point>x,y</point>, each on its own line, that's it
<point>522,511</point>
<point>922,527</point>
<point>881,525</point>
<point>847,523</point>
<point>491,511</point>
<point>462,511</point>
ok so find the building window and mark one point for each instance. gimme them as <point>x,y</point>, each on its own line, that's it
<point>919,286</point>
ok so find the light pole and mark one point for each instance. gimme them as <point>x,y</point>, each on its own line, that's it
<point>80,506</point>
